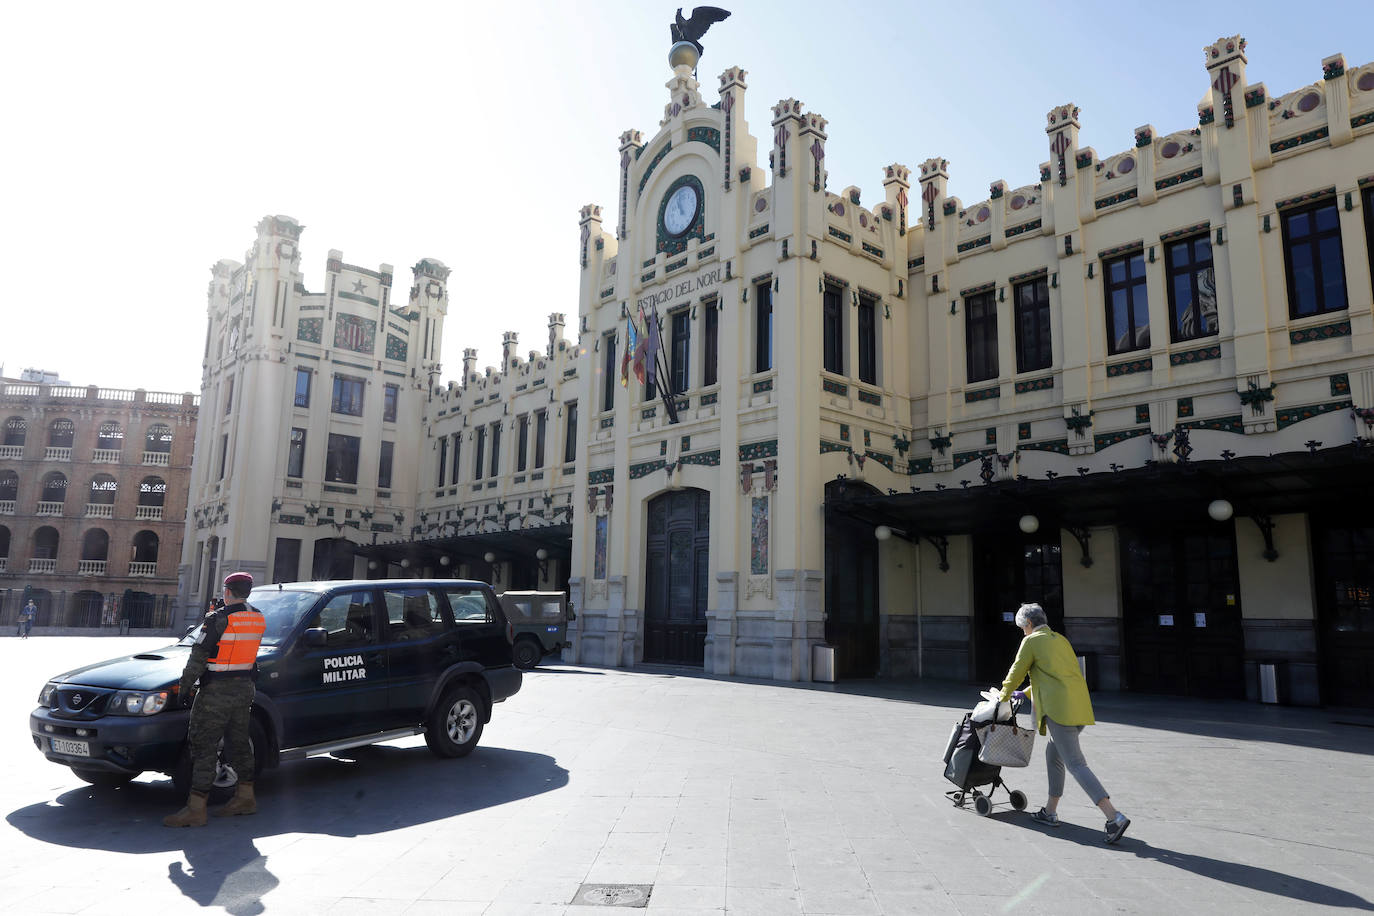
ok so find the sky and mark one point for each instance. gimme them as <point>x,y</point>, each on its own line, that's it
<point>145,140</point>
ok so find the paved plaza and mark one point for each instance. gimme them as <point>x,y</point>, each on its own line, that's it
<point>721,796</point>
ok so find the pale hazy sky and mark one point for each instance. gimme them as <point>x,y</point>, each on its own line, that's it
<point>143,141</point>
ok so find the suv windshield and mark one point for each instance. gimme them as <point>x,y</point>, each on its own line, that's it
<point>282,609</point>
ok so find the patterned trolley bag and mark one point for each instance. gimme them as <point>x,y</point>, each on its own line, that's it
<point>966,768</point>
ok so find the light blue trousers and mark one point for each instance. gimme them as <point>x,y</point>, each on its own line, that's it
<point>1062,751</point>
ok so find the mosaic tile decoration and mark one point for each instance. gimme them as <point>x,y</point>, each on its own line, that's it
<point>1287,416</point>
<point>396,348</point>
<point>355,333</point>
<point>758,536</point>
<point>310,329</point>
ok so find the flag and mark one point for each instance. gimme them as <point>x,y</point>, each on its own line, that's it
<point>651,347</point>
<point>632,333</point>
<point>641,347</point>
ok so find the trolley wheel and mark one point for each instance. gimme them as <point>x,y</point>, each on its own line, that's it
<point>958,798</point>
<point>983,805</point>
<point>1018,799</point>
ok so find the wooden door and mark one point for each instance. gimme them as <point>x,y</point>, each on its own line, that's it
<point>1344,557</point>
<point>677,575</point>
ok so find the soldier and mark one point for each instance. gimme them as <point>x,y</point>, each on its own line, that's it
<point>223,658</point>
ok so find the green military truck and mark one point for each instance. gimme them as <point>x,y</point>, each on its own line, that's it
<point>540,621</point>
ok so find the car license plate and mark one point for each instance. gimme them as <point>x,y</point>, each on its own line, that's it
<point>74,748</point>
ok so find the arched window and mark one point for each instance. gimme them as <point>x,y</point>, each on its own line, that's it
<point>85,609</point>
<point>158,439</point>
<point>152,491</point>
<point>9,486</point>
<point>95,545</point>
<point>54,488</point>
<point>111,436</point>
<point>104,488</point>
<point>145,547</point>
<point>16,431</point>
<point>45,543</point>
<point>61,433</point>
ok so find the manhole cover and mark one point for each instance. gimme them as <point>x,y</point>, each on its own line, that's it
<point>631,895</point>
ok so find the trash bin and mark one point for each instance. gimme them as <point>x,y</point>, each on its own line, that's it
<point>1087,664</point>
<point>1268,682</point>
<point>823,663</point>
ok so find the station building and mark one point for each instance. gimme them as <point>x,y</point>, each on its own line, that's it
<point>1138,389</point>
<point>92,497</point>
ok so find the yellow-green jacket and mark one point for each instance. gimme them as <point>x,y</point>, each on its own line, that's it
<point>1057,686</point>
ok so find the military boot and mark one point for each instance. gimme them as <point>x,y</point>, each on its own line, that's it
<point>243,802</point>
<point>193,815</point>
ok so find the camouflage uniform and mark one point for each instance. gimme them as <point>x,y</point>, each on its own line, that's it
<point>221,708</point>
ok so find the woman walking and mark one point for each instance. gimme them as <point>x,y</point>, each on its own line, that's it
<point>1059,696</point>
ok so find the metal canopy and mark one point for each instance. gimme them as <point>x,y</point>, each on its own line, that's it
<point>507,545</point>
<point>1339,479</point>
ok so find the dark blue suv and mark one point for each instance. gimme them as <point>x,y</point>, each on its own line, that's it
<point>342,665</point>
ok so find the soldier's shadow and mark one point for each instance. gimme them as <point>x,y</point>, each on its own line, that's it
<point>370,790</point>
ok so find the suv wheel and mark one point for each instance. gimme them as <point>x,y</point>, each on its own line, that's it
<point>526,653</point>
<point>225,777</point>
<point>455,725</point>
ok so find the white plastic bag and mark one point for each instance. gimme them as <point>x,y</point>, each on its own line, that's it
<point>990,710</point>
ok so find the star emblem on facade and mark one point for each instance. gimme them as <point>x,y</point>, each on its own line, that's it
<point>359,286</point>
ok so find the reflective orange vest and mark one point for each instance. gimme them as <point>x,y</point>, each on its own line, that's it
<point>238,645</point>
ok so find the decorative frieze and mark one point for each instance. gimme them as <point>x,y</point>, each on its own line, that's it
<point>1035,384</point>
<point>982,394</point>
<point>1127,368</point>
<point>1106,440</point>
<point>1188,357</point>
<point>1287,416</point>
<point>1319,332</point>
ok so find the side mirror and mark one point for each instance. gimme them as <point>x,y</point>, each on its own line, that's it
<point>191,629</point>
<point>315,638</point>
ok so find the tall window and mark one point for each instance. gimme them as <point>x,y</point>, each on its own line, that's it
<point>763,327</point>
<point>832,329</point>
<point>457,450</point>
<point>348,396</point>
<point>223,454</point>
<point>228,395</point>
<point>679,372</point>
<point>1032,325</point>
<point>495,449</point>
<point>16,431</point>
<point>286,560</point>
<point>295,453</point>
<point>522,443</point>
<point>710,346</point>
<point>302,388</point>
<point>609,370</point>
<point>1192,288</point>
<point>384,465</point>
<point>479,451</point>
<point>1369,224</point>
<point>868,341</point>
<point>541,423</point>
<point>443,460</point>
<point>1312,254</point>
<point>570,433</point>
<point>1128,310</point>
<point>980,336</point>
<point>341,461</point>
<point>390,395</point>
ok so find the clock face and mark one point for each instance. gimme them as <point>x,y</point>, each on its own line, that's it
<point>681,210</point>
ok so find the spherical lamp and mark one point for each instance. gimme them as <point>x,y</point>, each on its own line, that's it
<point>541,554</point>
<point>489,557</point>
<point>1029,524</point>
<point>444,560</point>
<point>405,563</point>
<point>1220,510</point>
<point>882,533</point>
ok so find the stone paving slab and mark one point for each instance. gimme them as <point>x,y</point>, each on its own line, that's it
<point>728,796</point>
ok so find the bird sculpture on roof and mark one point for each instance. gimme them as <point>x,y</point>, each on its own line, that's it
<point>691,29</point>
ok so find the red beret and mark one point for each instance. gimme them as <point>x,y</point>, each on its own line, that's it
<point>238,577</point>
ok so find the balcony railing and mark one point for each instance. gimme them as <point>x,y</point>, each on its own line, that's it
<point>158,458</point>
<point>105,456</point>
<point>11,451</point>
<point>148,513</point>
<point>57,454</point>
<point>6,507</point>
<point>143,569</point>
<point>49,508</point>
<point>90,567</point>
<point>99,510</point>
<point>42,566</point>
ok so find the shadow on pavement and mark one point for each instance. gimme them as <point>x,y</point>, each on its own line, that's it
<point>1251,876</point>
<point>373,790</point>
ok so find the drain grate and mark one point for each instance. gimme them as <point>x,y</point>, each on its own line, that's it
<point>627,895</point>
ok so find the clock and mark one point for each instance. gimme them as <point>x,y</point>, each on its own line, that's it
<point>681,210</point>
